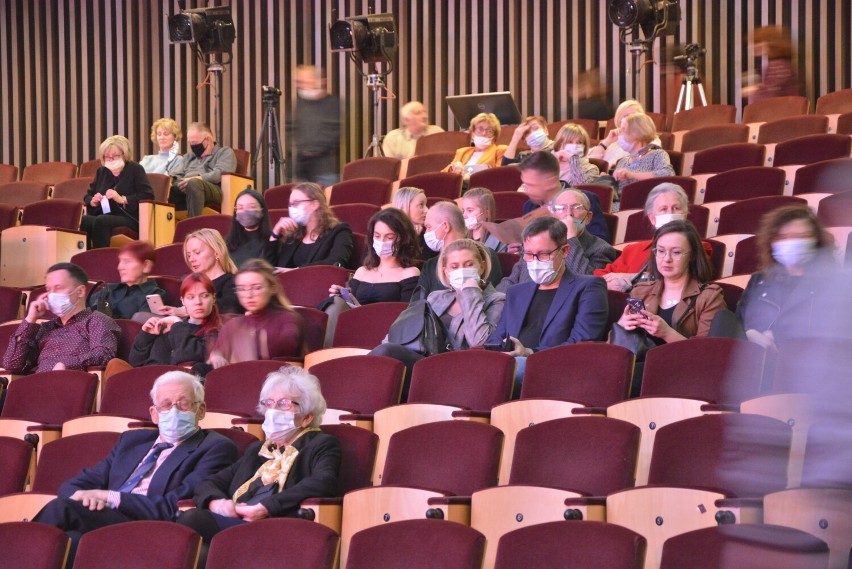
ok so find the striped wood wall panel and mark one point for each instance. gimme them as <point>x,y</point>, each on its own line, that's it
<point>77,71</point>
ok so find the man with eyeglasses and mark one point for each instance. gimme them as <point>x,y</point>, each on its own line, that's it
<point>148,470</point>
<point>540,180</point>
<point>557,306</point>
<point>586,252</point>
<point>198,180</point>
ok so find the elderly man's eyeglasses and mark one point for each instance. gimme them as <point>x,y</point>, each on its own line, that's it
<point>676,254</point>
<point>281,404</point>
<point>182,404</point>
<point>561,208</point>
<point>541,256</point>
<point>250,290</point>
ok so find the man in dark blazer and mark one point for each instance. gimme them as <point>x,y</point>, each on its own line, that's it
<point>558,306</point>
<point>148,470</point>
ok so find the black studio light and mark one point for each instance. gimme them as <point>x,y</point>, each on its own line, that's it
<point>211,29</point>
<point>653,17</point>
<point>371,38</point>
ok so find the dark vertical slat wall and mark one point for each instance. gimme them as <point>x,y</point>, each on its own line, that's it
<point>76,71</point>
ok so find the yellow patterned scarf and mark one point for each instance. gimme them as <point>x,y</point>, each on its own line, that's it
<point>277,467</point>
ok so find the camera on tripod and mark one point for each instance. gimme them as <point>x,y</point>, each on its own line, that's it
<point>691,52</point>
<point>270,91</point>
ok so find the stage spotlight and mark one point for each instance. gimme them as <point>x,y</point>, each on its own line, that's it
<point>653,17</point>
<point>371,38</point>
<point>211,29</point>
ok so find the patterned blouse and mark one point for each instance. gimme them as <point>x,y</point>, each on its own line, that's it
<point>649,159</point>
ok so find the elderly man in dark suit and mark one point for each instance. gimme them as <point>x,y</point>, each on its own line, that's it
<point>557,306</point>
<point>148,470</point>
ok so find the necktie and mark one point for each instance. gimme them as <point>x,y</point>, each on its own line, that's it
<point>144,467</point>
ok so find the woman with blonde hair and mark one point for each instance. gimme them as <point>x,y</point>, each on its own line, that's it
<point>571,147</point>
<point>645,159</point>
<point>483,152</point>
<point>478,208</point>
<point>166,135</point>
<point>114,195</point>
<point>412,202</point>
<point>611,148</point>
<point>270,328</point>
<point>311,233</point>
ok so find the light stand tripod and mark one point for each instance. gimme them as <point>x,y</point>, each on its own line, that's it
<point>215,68</point>
<point>376,82</point>
<point>637,48</point>
<point>269,141</point>
<point>691,81</point>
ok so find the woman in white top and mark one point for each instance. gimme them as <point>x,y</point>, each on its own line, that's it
<point>612,148</point>
<point>166,134</point>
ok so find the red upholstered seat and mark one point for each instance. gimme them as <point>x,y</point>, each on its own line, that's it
<point>811,149</point>
<point>827,176</point>
<point>745,183</point>
<point>714,135</point>
<point>62,459</point>
<point>431,162</point>
<point>442,142</point>
<point>385,167</point>
<point>789,128</point>
<point>49,172</point>
<point>436,184</point>
<point>361,384</point>
<point>375,191</point>
<point>703,116</point>
<point>289,542</point>
<point>500,179</point>
<point>744,216</point>
<point>727,157</point>
<point>123,545</point>
<point>634,194</point>
<point>15,466</point>
<point>33,546</point>
<point>775,108</point>
<point>357,215</point>
<point>308,286</point>
<point>220,222</point>
<point>366,326</point>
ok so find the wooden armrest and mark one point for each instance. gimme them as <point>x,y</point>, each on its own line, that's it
<point>470,414</point>
<point>356,417</point>
<point>449,501</point>
<point>323,502</point>
<point>238,421</point>
<point>589,411</point>
<point>720,407</point>
<point>586,501</point>
<point>44,428</point>
<point>141,425</point>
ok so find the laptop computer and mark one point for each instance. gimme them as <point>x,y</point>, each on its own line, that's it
<point>501,103</point>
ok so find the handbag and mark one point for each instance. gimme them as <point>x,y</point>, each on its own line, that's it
<point>418,328</point>
<point>637,341</point>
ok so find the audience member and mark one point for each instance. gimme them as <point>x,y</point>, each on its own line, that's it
<point>198,180</point>
<point>251,230</point>
<point>586,252</point>
<point>468,305</point>
<point>170,340</point>
<point>558,306</point>
<point>205,251</point>
<point>484,152</point>
<point>593,99</point>
<point>611,148</point>
<point>412,202</point>
<point>534,132</point>
<point>540,180</point>
<point>389,272</point>
<point>401,142</point>
<point>666,202</point>
<point>113,197</point>
<point>78,337</point>
<point>312,234</point>
<point>478,207</point>
<point>570,148</point>
<point>773,46</point>
<point>314,128</point>
<point>295,461</point>
<point>271,328</point>
<point>777,301</point>
<point>166,134</point>
<point>645,159</point>
<point>446,219</point>
<point>126,298</point>
<point>148,471</point>
<point>678,303</point>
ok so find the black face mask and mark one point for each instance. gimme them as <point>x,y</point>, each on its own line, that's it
<point>197,149</point>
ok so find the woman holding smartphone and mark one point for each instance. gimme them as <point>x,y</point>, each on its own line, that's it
<point>388,274</point>
<point>171,340</point>
<point>131,295</point>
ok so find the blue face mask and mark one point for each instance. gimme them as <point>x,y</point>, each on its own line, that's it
<point>176,425</point>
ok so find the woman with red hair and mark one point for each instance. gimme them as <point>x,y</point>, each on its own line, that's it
<point>171,340</point>
<point>126,298</point>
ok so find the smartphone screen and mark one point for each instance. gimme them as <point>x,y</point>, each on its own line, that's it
<point>636,305</point>
<point>349,298</point>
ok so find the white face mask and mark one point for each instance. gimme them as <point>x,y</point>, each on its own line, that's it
<point>432,241</point>
<point>299,215</point>
<point>471,223</point>
<point>60,303</point>
<point>622,142</point>
<point>114,166</point>
<point>541,272</point>
<point>481,141</point>
<point>383,249</point>
<point>277,423</point>
<point>574,149</point>
<point>537,139</point>
<point>459,276</point>
<point>663,218</point>
<point>176,425</point>
<point>794,252</point>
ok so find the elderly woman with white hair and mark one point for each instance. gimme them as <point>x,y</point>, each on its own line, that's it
<point>666,202</point>
<point>114,195</point>
<point>296,461</point>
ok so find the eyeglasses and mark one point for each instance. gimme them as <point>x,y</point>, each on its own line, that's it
<point>250,290</point>
<point>541,256</point>
<point>205,296</point>
<point>281,404</point>
<point>676,254</point>
<point>294,203</point>
<point>486,131</point>
<point>182,404</point>
<point>560,208</point>
<point>112,157</point>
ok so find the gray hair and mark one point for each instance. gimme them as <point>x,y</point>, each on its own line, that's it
<point>300,382</point>
<point>451,213</point>
<point>663,188</point>
<point>186,379</point>
<point>581,197</point>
